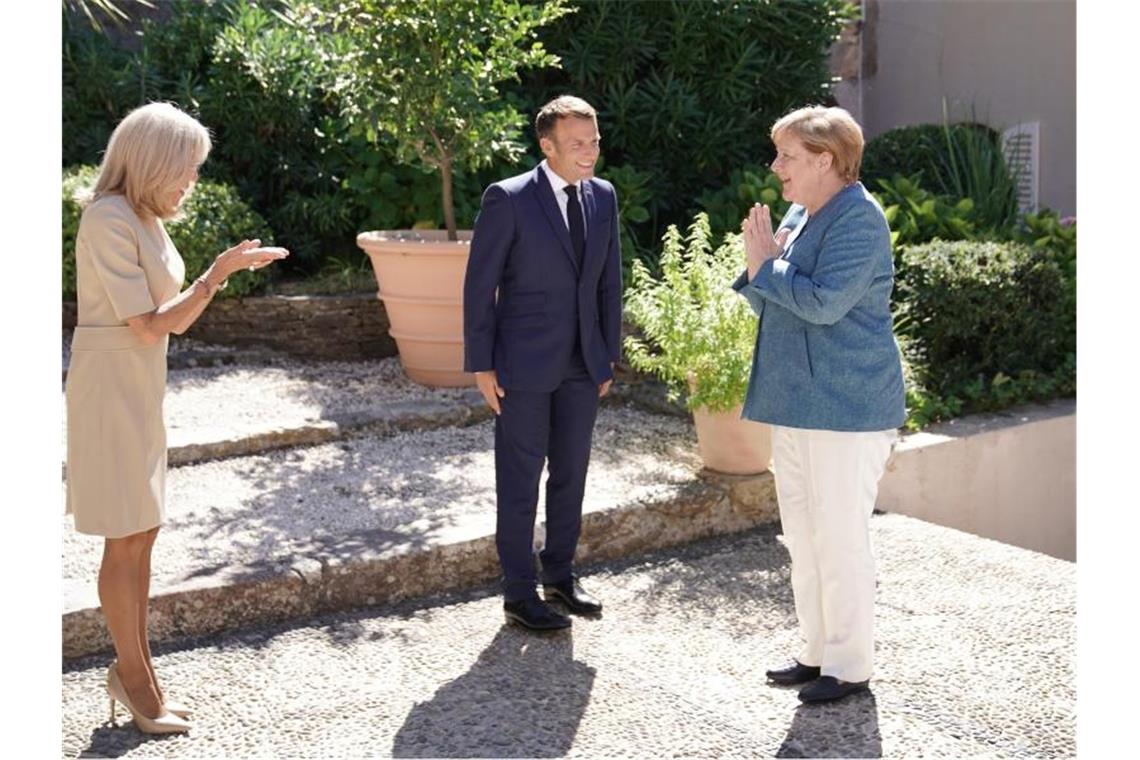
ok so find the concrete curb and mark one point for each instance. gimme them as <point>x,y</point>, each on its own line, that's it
<point>711,505</point>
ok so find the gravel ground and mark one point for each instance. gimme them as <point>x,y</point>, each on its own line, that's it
<point>227,518</point>
<point>262,393</point>
<point>975,657</point>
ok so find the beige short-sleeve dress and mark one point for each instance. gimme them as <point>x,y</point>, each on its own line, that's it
<point>116,439</point>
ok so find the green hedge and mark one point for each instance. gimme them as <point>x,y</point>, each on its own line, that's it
<point>983,325</point>
<point>214,218</point>
<point>687,91</point>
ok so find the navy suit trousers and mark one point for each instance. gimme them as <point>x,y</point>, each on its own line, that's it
<point>534,429</point>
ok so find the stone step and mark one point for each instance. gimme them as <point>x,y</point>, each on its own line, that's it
<point>375,518</point>
<point>242,407</point>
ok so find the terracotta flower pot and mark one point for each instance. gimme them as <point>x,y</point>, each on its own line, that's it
<point>420,278</point>
<point>732,445</point>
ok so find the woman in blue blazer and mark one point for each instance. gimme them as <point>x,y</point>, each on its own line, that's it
<point>826,375</point>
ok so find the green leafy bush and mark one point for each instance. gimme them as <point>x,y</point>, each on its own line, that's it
<point>633,192</point>
<point>746,186</point>
<point>696,332</point>
<point>955,161</point>
<point>687,91</point>
<point>983,325</point>
<point>429,75</point>
<point>278,138</point>
<point>916,215</point>
<point>919,149</point>
<point>214,218</point>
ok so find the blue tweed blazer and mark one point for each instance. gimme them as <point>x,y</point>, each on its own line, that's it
<point>825,357</point>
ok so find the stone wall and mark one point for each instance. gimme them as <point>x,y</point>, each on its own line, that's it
<point>344,327</point>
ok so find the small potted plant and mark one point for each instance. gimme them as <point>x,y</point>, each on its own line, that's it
<point>427,75</point>
<point>697,336</point>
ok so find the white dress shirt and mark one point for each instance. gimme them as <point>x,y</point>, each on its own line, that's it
<point>556,184</point>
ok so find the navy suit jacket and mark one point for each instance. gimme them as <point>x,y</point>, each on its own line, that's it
<point>525,302</point>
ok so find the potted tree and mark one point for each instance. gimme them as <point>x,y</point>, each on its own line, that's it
<point>697,336</point>
<point>426,75</point>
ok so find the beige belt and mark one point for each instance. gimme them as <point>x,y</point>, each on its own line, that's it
<point>105,339</point>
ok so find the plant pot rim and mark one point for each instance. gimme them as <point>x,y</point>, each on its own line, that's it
<point>412,237</point>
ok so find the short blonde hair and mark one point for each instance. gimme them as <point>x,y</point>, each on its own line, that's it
<point>826,130</point>
<point>147,153</point>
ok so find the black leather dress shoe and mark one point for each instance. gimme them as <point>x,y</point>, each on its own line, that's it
<point>534,614</point>
<point>830,688</point>
<point>793,675</point>
<point>571,594</point>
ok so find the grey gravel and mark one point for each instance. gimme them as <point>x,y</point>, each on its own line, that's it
<point>975,657</point>
<point>246,398</point>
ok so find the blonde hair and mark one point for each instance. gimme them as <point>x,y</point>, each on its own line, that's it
<point>826,130</point>
<point>149,151</point>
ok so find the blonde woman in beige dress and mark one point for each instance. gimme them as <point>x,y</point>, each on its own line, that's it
<point>129,286</point>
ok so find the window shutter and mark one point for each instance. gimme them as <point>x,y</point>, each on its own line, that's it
<point>1021,145</point>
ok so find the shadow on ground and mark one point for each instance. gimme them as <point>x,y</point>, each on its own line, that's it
<point>524,696</point>
<point>816,730</point>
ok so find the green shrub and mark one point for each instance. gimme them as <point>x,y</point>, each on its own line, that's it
<point>984,325</point>
<point>687,91</point>
<point>633,189</point>
<point>276,136</point>
<point>214,218</point>
<point>101,83</point>
<point>746,186</point>
<point>955,161</point>
<point>918,216</point>
<point>919,149</point>
<point>694,327</point>
<point>103,80</point>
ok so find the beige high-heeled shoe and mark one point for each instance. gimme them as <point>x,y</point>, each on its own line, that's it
<point>166,723</point>
<point>179,709</point>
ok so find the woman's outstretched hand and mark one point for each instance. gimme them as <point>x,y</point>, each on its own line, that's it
<point>248,254</point>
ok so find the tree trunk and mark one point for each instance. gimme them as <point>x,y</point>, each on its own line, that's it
<point>448,201</point>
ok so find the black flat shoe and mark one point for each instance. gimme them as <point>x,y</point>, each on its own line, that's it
<point>570,593</point>
<point>534,614</point>
<point>829,689</point>
<point>795,674</point>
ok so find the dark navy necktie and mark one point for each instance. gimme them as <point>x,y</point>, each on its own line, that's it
<point>577,226</point>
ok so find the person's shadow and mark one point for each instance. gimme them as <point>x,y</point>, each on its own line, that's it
<point>117,740</point>
<point>848,728</point>
<point>523,697</point>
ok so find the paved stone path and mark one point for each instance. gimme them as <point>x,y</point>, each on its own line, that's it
<point>975,657</point>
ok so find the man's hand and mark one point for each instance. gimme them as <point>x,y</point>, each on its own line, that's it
<point>604,388</point>
<point>488,383</point>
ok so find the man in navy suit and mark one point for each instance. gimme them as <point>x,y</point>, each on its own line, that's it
<point>542,330</point>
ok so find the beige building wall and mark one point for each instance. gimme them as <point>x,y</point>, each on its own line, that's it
<point>1009,60</point>
<point>1010,477</point>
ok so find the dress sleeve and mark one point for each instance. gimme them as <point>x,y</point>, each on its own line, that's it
<point>113,248</point>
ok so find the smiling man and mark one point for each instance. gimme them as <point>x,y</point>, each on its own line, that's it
<point>542,330</point>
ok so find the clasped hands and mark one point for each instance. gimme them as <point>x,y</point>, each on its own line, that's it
<point>759,242</point>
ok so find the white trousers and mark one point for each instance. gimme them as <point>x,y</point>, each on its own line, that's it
<point>826,484</point>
